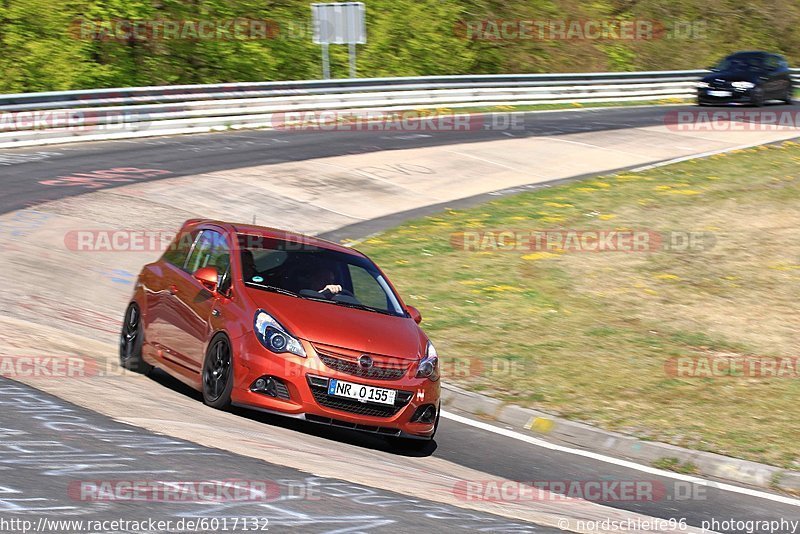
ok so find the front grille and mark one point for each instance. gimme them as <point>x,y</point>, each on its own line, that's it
<point>350,367</point>
<point>320,393</point>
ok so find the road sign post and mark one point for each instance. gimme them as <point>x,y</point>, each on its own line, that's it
<point>339,23</point>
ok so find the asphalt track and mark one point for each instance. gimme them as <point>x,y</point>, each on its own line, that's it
<point>52,451</point>
<point>22,169</point>
<point>496,455</point>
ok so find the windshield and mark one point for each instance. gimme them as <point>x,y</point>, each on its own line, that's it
<point>742,62</point>
<point>315,273</point>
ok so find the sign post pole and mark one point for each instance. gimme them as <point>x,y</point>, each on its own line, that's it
<point>326,62</point>
<point>352,60</point>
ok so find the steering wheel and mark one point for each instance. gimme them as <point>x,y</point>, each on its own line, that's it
<point>328,294</point>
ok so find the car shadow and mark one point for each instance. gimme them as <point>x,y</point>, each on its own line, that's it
<point>410,448</point>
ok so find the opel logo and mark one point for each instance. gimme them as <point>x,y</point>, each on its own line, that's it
<point>365,361</point>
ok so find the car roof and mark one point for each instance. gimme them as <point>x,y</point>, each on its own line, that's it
<point>276,233</point>
<point>750,53</point>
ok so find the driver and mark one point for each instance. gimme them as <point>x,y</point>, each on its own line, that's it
<point>249,269</point>
<point>325,278</point>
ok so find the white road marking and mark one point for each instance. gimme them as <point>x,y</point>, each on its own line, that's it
<point>616,461</point>
<point>589,145</point>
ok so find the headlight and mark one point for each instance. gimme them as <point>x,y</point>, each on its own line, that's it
<point>743,85</point>
<point>274,336</point>
<point>429,366</point>
<point>703,85</point>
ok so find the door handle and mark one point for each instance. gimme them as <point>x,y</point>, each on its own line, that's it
<point>173,289</point>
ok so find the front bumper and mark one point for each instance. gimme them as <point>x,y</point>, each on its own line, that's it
<point>301,392</point>
<point>714,95</point>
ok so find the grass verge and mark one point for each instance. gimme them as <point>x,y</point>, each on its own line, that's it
<point>591,336</point>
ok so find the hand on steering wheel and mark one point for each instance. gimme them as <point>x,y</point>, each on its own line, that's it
<point>331,288</point>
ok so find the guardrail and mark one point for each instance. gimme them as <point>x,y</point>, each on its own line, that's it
<point>71,116</point>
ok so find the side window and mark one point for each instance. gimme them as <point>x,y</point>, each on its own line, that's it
<point>772,63</point>
<point>179,249</point>
<point>366,289</point>
<point>211,250</point>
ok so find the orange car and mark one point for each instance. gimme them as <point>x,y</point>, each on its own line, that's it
<point>287,324</point>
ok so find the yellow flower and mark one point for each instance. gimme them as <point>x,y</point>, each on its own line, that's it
<point>501,288</point>
<point>667,276</point>
<point>539,256</point>
<point>683,192</point>
<point>606,217</point>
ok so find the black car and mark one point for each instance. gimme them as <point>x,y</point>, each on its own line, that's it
<point>747,78</point>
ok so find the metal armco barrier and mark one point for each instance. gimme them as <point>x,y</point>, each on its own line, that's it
<point>31,119</point>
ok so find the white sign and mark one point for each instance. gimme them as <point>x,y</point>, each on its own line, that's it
<point>339,23</point>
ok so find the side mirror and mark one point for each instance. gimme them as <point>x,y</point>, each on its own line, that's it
<point>414,313</point>
<point>208,276</point>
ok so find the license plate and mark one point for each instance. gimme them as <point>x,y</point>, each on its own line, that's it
<point>719,93</point>
<point>360,392</point>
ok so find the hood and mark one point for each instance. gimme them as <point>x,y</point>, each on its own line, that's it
<point>734,76</point>
<point>344,327</point>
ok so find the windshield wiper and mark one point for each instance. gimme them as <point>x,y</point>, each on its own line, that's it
<point>274,289</point>
<point>363,307</point>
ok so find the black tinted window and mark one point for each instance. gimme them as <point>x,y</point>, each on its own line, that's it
<point>306,270</point>
<point>742,62</point>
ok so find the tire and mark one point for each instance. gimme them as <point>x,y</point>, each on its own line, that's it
<point>217,373</point>
<point>131,340</point>
<point>787,99</point>
<point>758,97</point>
